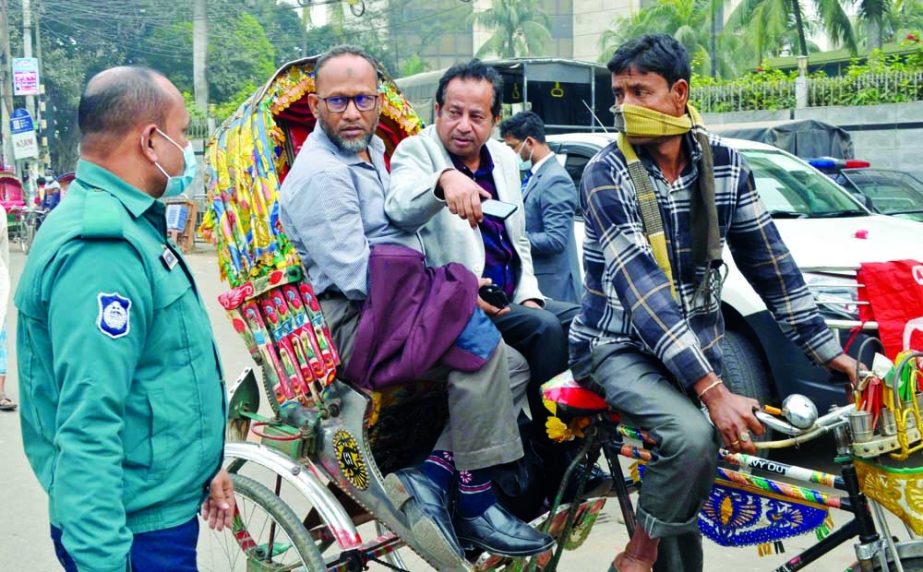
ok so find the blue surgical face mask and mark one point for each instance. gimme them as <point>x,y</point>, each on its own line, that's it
<point>178,184</point>
<point>524,165</point>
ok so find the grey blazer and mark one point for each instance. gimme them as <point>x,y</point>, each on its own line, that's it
<point>411,204</point>
<point>550,200</point>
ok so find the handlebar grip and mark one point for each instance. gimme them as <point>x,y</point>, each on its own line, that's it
<point>772,410</point>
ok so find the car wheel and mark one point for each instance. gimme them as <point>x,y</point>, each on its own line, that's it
<point>746,374</point>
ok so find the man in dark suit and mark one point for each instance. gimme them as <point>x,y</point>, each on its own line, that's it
<point>550,201</point>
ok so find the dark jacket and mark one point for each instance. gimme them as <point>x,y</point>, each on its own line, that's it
<point>550,201</point>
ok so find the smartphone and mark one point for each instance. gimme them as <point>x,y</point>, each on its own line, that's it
<point>498,209</point>
<point>494,295</point>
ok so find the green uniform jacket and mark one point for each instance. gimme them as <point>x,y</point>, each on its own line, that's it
<point>121,387</point>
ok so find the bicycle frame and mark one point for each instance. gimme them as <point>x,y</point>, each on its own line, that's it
<point>610,438</point>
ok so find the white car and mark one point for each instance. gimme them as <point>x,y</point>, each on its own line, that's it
<point>829,234</point>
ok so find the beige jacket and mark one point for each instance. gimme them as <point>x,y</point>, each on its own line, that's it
<point>411,204</point>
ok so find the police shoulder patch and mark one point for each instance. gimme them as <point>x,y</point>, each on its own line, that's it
<point>114,318</point>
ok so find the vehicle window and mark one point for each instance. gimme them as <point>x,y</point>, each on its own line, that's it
<point>574,166</point>
<point>792,188</point>
<point>891,192</point>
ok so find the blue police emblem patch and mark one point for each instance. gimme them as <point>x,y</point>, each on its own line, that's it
<point>114,314</point>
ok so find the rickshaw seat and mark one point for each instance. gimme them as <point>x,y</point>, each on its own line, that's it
<point>571,399</point>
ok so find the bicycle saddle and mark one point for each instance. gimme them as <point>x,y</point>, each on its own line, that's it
<point>572,399</point>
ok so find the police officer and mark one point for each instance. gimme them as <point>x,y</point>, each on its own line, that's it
<point>123,416</point>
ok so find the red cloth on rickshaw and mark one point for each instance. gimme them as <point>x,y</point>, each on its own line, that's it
<point>894,291</point>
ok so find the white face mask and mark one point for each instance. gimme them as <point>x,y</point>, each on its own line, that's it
<point>524,164</point>
<point>178,184</point>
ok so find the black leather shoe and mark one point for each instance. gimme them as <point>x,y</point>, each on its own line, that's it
<point>497,531</point>
<point>598,483</point>
<point>426,508</point>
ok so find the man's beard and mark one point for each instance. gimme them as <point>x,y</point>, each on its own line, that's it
<point>349,145</point>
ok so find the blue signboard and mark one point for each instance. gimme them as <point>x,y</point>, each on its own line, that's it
<point>21,121</point>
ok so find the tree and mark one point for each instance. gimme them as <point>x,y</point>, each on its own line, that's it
<point>416,28</point>
<point>520,28</point>
<point>874,13</point>
<point>778,26</point>
<point>690,22</point>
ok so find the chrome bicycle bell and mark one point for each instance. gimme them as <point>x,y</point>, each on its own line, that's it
<point>799,411</point>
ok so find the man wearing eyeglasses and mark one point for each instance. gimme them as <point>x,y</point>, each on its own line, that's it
<point>332,208</point>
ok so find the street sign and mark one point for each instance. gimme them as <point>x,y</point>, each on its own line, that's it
<point>21,121</point>
<point>25,76</point>
<point>25,144</point>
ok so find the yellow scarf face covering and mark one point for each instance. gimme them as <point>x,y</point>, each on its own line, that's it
<point>637,121</point>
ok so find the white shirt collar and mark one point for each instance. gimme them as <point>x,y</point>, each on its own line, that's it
<point>537,166</point>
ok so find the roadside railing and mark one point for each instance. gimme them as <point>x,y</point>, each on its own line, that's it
<point>767,96</point>
<point>198,129</point>
<point>864,89</point>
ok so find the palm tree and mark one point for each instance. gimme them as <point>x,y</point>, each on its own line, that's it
<point>520,28</point>
<point>770,24</point>
<point>690,22</point>
<point>875,15</point>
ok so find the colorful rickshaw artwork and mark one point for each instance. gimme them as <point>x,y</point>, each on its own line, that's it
<point>270,304</point>
<point>328,439</point>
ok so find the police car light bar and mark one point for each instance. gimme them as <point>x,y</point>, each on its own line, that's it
<point>829,163</point>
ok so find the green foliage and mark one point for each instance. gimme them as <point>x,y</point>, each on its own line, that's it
<point>224,110</point>
<point>413,65</point>
<point>765,89</point>
<point>880,79</point>
<point>520,28</point>
<point>239,57</point>
<point>248,40</point>
<point>690,22</point>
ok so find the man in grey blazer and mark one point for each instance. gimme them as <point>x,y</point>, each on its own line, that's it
<point>550,201</point>
<point>438,180</point>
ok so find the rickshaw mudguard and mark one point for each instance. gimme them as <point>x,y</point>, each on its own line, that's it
<point>306,482</point>
<point>345,456</point>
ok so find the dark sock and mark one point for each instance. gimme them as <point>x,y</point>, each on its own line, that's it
<point>440,468</point>
<point>475,493</point>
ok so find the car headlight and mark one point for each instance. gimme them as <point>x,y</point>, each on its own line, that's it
<point>836,294</point>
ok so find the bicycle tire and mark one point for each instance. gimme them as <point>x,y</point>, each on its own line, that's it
<point>284,517</point>
<point>746,374</point>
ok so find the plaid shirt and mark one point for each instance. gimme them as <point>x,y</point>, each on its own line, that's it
<point>627,298</point>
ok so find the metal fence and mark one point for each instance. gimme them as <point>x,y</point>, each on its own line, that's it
<point>198,129</point>
<point>871,88</point>
<point>864,89</point>
<point>768,96</point>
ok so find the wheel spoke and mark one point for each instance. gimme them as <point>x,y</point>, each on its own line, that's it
<point>265,534</point>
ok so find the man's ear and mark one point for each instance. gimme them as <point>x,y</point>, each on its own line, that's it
<point>436,109</point>
<point>313,102</point>
<point>680,93</point>
<point>147,141</point>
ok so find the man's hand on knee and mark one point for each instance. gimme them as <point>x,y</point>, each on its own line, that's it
<point>732,414</point>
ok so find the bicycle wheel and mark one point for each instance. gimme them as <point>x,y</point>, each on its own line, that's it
<point>266,535</point>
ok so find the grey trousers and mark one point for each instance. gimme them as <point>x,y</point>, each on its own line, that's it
<point>483,405</point>
<point>678,482</point>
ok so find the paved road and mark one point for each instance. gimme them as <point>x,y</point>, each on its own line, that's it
<point>24,543</point>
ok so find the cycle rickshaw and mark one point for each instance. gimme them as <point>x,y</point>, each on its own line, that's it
<point>320,455</point>
<point>332,443</point>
